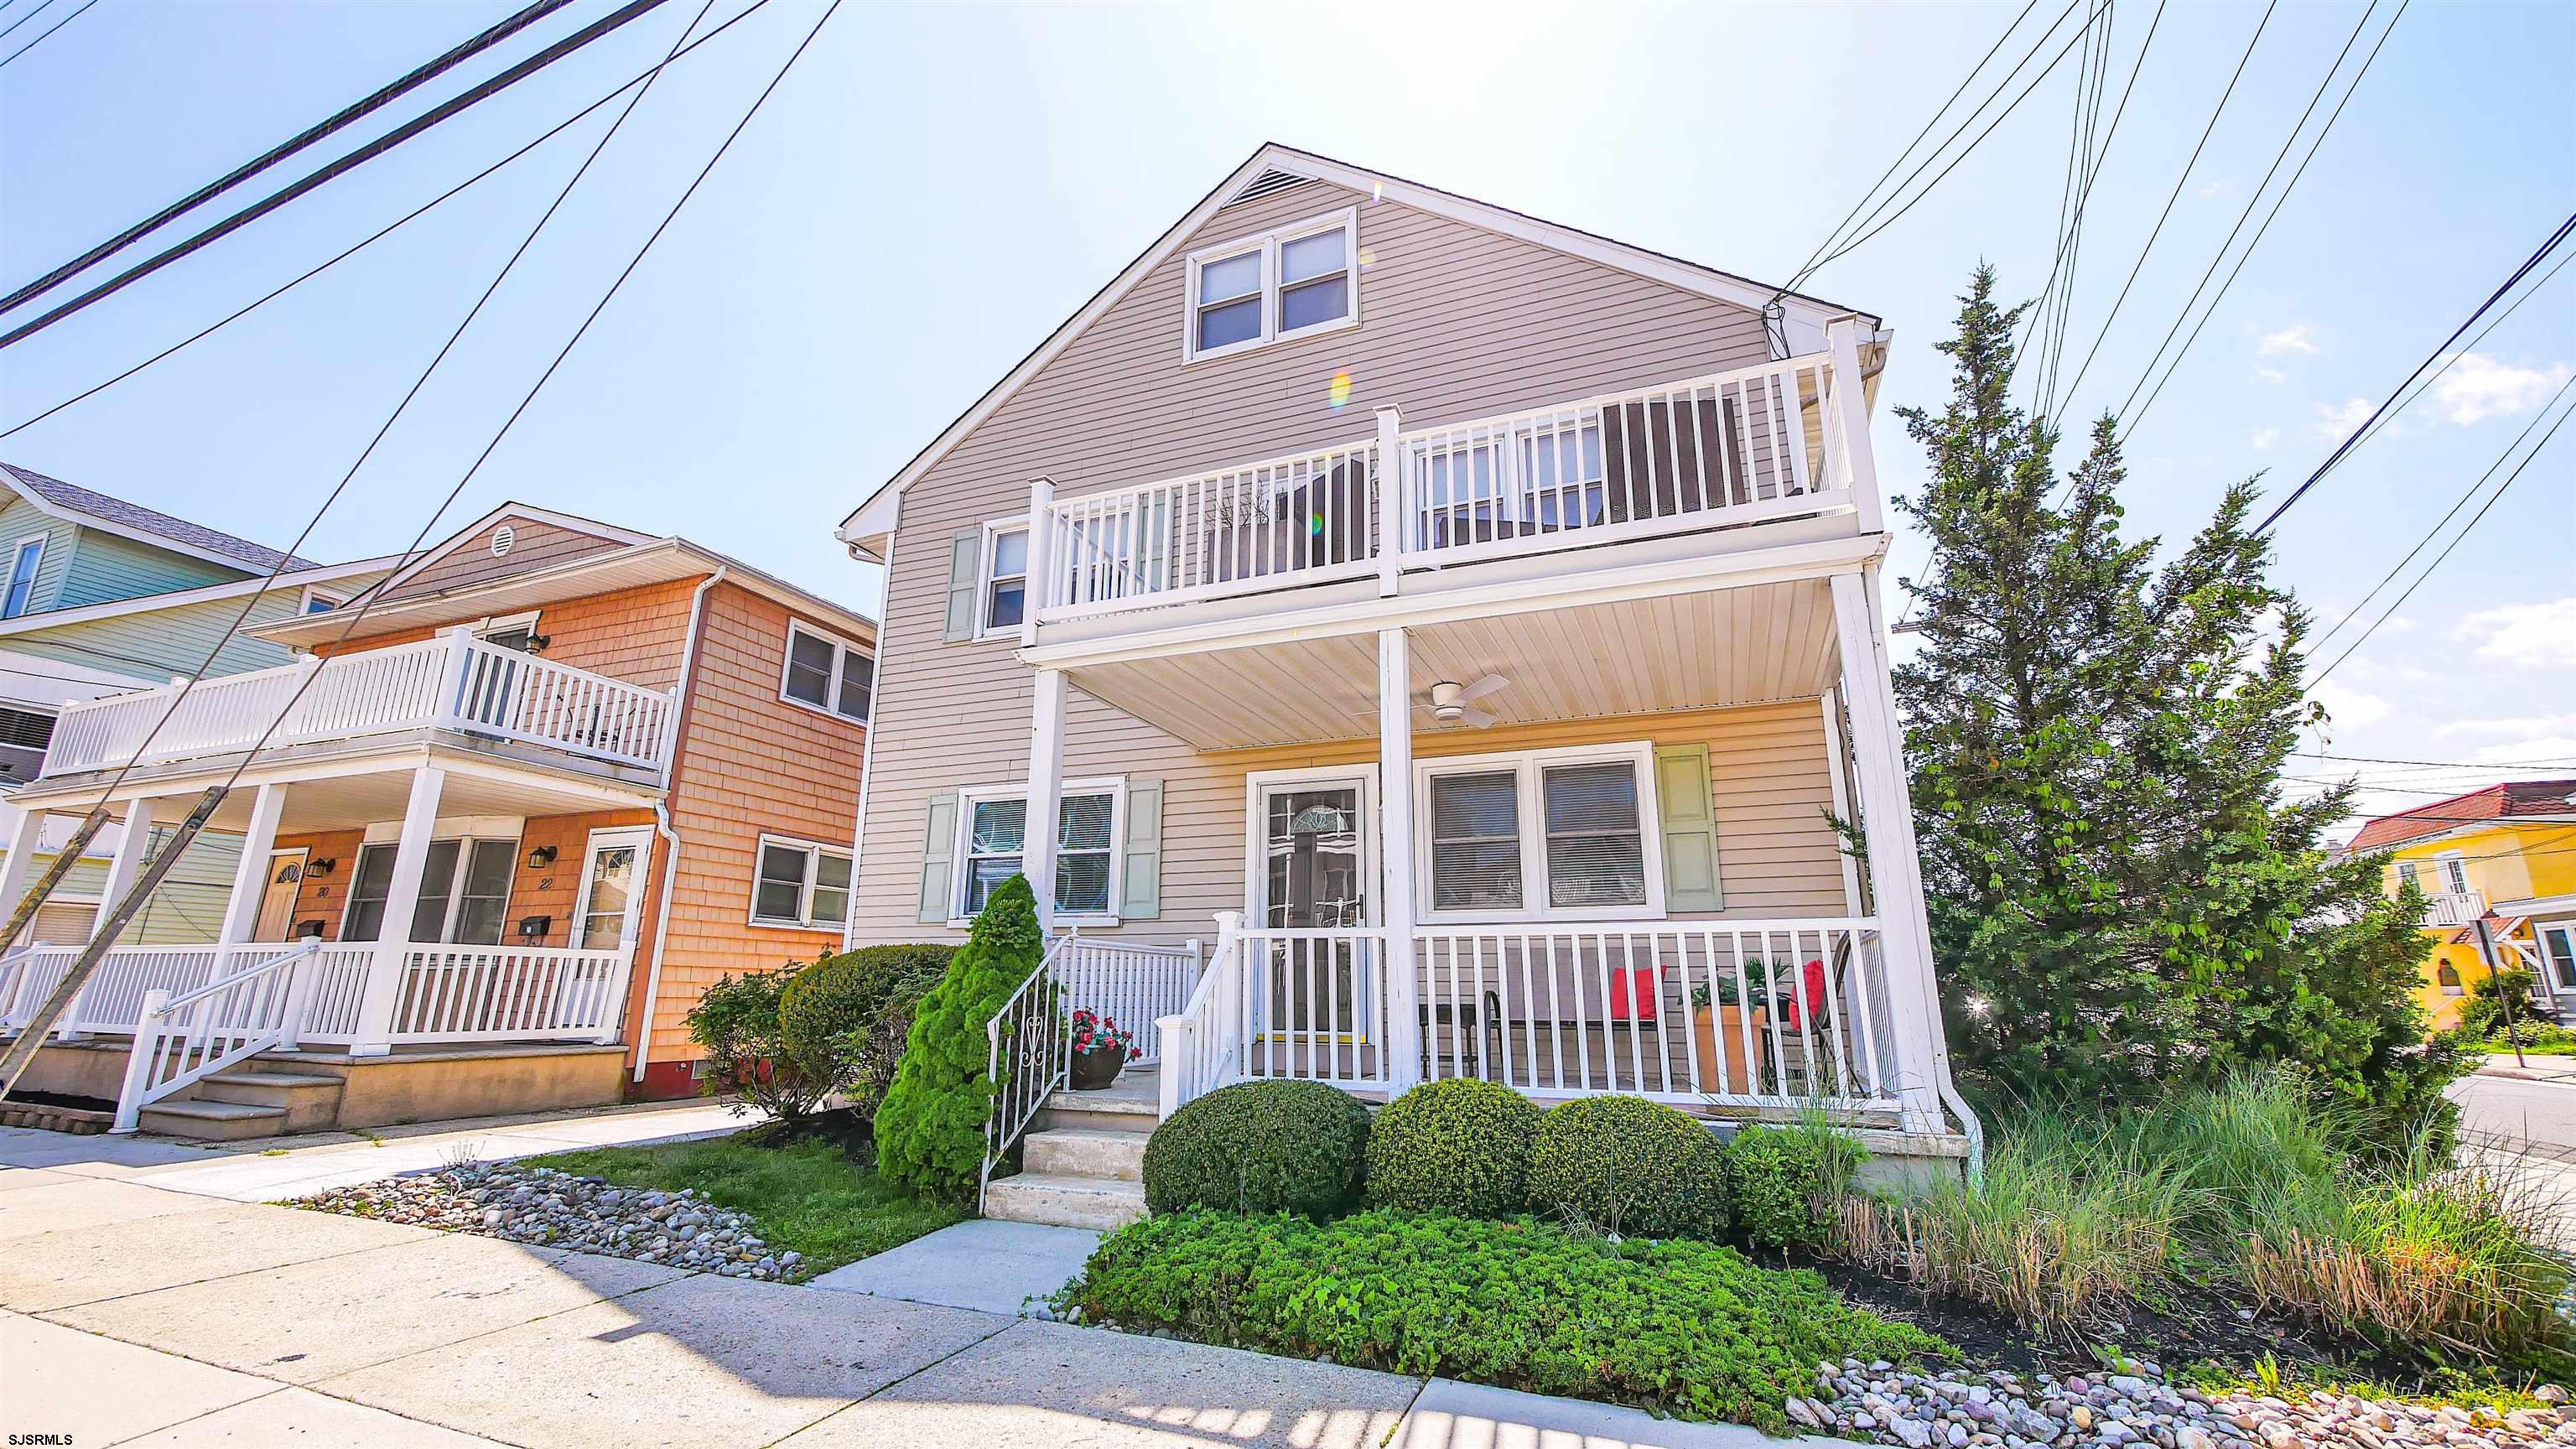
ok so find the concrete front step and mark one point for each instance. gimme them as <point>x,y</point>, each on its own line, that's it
<point>1065,1202</point>
<point>311,1099</point>
<point>213,1121</point>
<point>1086,1152</point>
<point>1111,1111</point>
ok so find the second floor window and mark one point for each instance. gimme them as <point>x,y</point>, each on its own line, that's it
<point>826,674</point>
<point>1297,280</point>
<point>1006,579</point>
<point>22,576</point>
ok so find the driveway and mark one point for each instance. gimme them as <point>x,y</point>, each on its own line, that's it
<point>143,1301</point>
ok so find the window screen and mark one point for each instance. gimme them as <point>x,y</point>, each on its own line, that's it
<point>809,668</point>
<point>1475,842</point>
<point>1082,854</point>
<point>1596,848</point>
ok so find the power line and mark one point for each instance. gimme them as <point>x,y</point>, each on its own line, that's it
<point>2128,420</point>
<point>382,96</point>
<point>2337,456</point>
<point>41,7</point>
<point>47,32</point>
<point>2464,532</point>
<point>2425,385</point>
<point>2440,523</point>
<point>2437,764</point>
<point>388,229</point>
<point>473,95</point>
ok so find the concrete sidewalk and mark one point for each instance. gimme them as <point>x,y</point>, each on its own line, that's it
<point>138,1307</point>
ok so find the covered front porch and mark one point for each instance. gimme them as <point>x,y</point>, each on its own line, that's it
<point>421,901</point>
<point>1593,844</point>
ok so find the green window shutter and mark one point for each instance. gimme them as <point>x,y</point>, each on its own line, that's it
<point>938,852</point>
<point>965,579</point>
<point>1142,877</point>
<point>1690,828</point>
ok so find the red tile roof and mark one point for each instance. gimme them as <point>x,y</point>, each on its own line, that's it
<point>2495,802</point>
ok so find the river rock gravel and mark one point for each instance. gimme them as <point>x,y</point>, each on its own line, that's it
<point>549,1208</point>
<point>2132,1406</point>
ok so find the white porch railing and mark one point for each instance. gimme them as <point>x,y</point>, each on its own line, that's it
<point>1130,984</point>
<point>445,994</point>
<point>180,1040</point>
<point>1757,1014</point>
<point>1745,446</point>
<point>2454,908</point>
<point>453,682</point>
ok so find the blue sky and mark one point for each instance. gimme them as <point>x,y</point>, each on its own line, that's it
<point>934,188</point>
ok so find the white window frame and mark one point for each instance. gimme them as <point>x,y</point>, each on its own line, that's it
<point>2551,960</point>
<point>2451,868</point>
<point>1528,767</point>
<point>1256,826</point>
<point>305,601</point>
<point>1267,245</point>
<point>993,530</point>
<point>491,624</point>
<point>814,850</point>
<point>35,570</point>
<point>1114,786</point>
<point>464,843</point>
<point>842,650</point>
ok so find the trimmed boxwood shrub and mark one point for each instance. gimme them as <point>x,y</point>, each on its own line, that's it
<point>1298,1147</point>
<point>1458,1146</point>
<point>1784,1180</point>
<point>843,1019</point>
<point>1627,1165</point>
<point>1690,1329</point>
<point>930,1132</point>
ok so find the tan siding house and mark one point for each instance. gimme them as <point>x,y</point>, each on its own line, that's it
<point>1425,641</point>
<point>521,805</point>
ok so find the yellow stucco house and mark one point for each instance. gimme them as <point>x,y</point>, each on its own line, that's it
<point>2506,854</point>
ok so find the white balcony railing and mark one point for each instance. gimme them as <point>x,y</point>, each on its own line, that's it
<point>454,682</point>
<point>2454,908</point>
<point>1741,447</point>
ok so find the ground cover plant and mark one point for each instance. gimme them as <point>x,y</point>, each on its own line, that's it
<point>807,1195</point>
<point>1690,1329</point>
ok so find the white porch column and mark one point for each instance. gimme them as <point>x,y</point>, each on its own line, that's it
<point>1895,872</point>
<point>25,839</point>
<point>122,870</point>
<point>1394,501</point>
<point>1850,415</point>
<point>1046,792</point>
<point>250,878</point>
<point>1395,841</point>
<point>373,1036</point>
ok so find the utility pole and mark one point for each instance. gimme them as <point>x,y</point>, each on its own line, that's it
<point>31,1037</point>
<point>2495,980</point>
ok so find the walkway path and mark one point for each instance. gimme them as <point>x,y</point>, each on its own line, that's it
<point>148,1298</point>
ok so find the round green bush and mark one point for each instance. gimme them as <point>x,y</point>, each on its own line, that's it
<point>1629,1166</point>
<point>1776,1179</point>
<point>1461,1146</point>
<point>1261,1147</point>
<point>842,1020</point>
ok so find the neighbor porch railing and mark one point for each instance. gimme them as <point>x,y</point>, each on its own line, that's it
<point>455,682</point>
<point>1776,1014</point>
<point>1745,446</point>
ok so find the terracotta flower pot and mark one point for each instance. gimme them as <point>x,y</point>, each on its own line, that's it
<point>1097,1068</point>
<point>1729,1019</point>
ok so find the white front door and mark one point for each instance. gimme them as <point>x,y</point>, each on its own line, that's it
<point>277,898</point>
<point>612,889</point>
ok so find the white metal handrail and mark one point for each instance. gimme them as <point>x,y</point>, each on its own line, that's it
<point>183,1039</point>
<point>454,681</point>
<point>1028,1059</point>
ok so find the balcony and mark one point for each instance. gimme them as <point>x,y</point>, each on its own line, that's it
<point>2454,908</point>
<point>1406,508</point>
<point>453,683</point>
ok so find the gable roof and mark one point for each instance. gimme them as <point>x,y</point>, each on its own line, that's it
<point>1274,167</point>
<point>608,533</point>
<point>2514,799</point>
<point>148,525</point>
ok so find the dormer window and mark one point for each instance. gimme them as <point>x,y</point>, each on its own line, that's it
<point>1293,282</point>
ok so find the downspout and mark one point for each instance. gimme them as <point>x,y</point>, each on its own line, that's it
<point>662,820</point>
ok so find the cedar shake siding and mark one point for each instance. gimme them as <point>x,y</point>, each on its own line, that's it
<point>749,764</point>
<point>1456,323</point>
<point>534,545</point>
<point>635,635</point>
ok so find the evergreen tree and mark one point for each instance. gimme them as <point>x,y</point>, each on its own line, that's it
<point>2120,895</point>
<point>930,1129</point>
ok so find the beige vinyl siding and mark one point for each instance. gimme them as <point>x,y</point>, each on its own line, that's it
<point>1456,323</point>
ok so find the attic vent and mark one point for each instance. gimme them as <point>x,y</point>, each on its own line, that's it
<point>502,538</point>
<point>1266,183</point>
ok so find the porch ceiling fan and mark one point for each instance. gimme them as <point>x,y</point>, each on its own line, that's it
<point>1452,703</point>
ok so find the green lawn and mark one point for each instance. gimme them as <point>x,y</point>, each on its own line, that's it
<point>809,1197</point>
